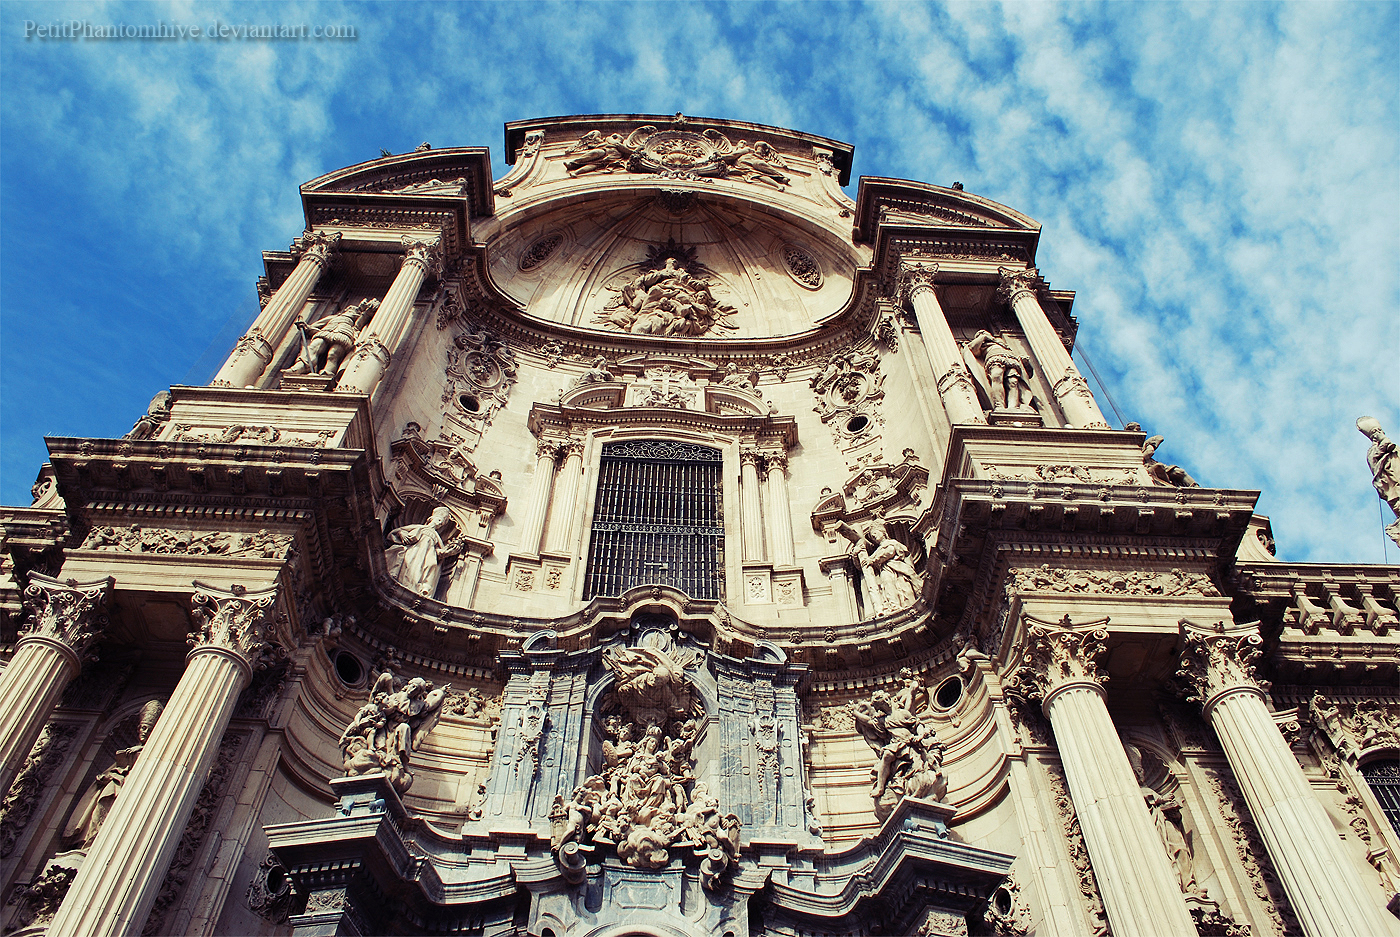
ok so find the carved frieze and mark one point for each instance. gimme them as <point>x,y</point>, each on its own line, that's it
<point>1353,726</point>
<point>677,154</point>
<point>1138,582</point>
<point>30,784</point>
<point>163,541</point>
<point>256,435</point>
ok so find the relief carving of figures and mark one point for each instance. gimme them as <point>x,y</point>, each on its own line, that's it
<point>1354,727</point>
<point>1384,462</point>
<point>1007,373</point>
<point>101,794</point>
<point>677,154</point>
<point>137,539</point>
<point>416,552</point>
<point>1110,582</point>
<point>1172,476</point>
<point>157,415</point>
<point>646,800</point>
<point>909,757</point>
<point>481,370</point>
<point>386,730</point>
<point>325,343</point>
<point>670,296</point>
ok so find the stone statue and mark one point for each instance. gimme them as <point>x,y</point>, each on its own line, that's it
<point>889,574</point>
<point>597,153</point>
<point>1008,374</point>
<point>666,300</point>
<point>598,373</point>
<point>157,415</point>
<point>101,794</point>
<point>387,729</point>
<point>1171,475</point>
<point>416,552</point>
<point>756,162</point>
<point>899,728</point>
<point>1385,470</point>
<point>325,343</point>
<point>1166,817</point>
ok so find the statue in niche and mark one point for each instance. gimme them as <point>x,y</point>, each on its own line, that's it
<point>1008,374</point>
<point>157,415</point>
<point>1173,476</point>
<point>668,297</point>
<point>1166,818</point>
<point>101,794</point>
<point>1385,469</point>
<point>325,343</point>
<point>645,801</point>
<point>387,729</point>
<point>416,552</point>
<point>909,758</point>
<point>891,582</point>
<point>598,373</point>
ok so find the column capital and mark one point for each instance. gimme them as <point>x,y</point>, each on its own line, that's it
<point>776,460</point>
<point>1013,282</point>
<point>317,246</point>
<point>915,276</point>
<point>67,613</point>
<point>570,447</point>
<point>233,621</point>
<point>427,254</point>
<point>1056,655</point>
<point>547,449</point>
<point>749,456</point>
<point>1220,659</point>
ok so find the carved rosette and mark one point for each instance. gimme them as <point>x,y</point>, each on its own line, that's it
<point>914,277</point>
<point>1015,282</point>
<point>1059,654</point>
<point>1219,660</point>
<point>69,613</point>
<point>233,620</point>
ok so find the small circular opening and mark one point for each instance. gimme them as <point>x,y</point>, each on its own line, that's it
<point>857,424</point>
<point>276,880</point>
<point>949,692</point>
<point>1001,900</point>
<point>469,403</point>
<point>348,669</point>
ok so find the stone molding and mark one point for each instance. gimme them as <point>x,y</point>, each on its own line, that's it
<point>1220,660</point>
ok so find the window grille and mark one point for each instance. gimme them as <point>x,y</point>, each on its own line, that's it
<point>659,520</point>
<point>1384,778</point>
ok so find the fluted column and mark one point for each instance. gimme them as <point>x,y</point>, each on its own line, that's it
<point>532,524</point>
<point>561,522</point>
<point>1323,885</point>
<point>380,338</point>
<point>126,864</point>
<point>954,383</point>
<point>1141,892</point>
<point>751,508</point>
<point>64,620</point>
<point>1018,287</point>
<point>779,510</point>
<point>254,350</point>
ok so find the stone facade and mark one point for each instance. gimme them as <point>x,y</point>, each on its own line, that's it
<point>655,541</point>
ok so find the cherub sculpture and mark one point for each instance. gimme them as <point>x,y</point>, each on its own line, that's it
<point>388,728</point>
<point>909,755</point>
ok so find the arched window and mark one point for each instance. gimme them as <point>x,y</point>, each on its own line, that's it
<point>658,520</point>
<point>1384,778</point>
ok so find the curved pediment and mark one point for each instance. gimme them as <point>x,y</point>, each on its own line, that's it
<point>456,172</point>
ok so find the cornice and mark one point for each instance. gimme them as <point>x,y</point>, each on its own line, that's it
<point>953,207</point>
<point>470,162</point>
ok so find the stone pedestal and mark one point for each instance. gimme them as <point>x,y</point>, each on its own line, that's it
<point>126,863</point>
<point>1140,890</point>
<point>254,350</point>
<point>64,620</point>
<point>1323,885</point>
<point>1068,385</point>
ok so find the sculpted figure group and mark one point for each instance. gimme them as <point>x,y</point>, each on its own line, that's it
<point>667,300</point>
<point>909,758</point>
<point>887,570</point>
<point>386,730</point>
<point>645,800</point>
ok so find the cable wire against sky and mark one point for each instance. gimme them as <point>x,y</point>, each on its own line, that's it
<point>1083,353</point>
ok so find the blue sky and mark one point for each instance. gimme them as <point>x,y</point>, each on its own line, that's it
<point>1220,184</point>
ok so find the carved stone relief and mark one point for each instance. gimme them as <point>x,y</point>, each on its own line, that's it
<point>802,267</point>
<point>669,294</point>
<point>382,736</point>
<point>1078,852</point>
<point>30,784</point>
<point>849,391</point>
<point>270,892</point>
<point>481,370</point>
<point>160,540</point>
<point>664,387</point>
<point>908,756</point>
<point>39,900</point>
<point>1249,847</point>
<point>677,154</point>
<point>539,251</point>
<point>1352,727</point>
<point>257,435</point>
<point>1109,582</point>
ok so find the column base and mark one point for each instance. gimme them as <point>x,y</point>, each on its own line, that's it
<point>310,382</point>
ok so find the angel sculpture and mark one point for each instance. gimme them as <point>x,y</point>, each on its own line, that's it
<point>597,153</point>
<point>910,757</point>
<point>650,684</point>
<point>752,162</point>
<point>387,729</point>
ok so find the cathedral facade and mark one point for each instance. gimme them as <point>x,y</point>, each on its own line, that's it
<point>655,541</point>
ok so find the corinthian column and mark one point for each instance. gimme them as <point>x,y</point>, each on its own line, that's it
<point>122,874</point>
<point>254,350</point>
<point>561,524</point>
<point>779,510</point>
<point>751,508</point>
<point>954,383</point>
<point>1322,884</point>
<point>532,526</point>
<point>380,338</point>
<point>64,620</point>
<point>1018,287</point>
<point>1141,892</point>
